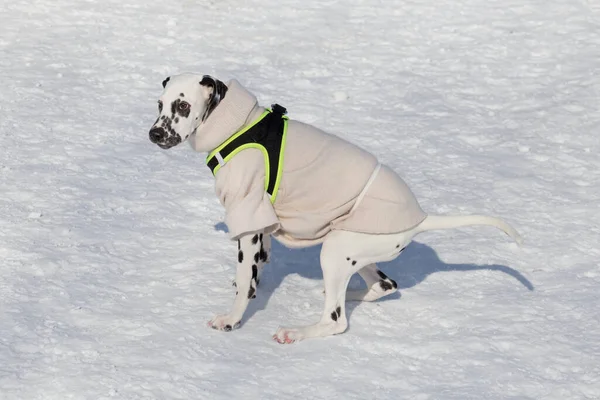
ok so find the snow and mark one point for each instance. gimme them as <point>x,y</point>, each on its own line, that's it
<point>114,255</point>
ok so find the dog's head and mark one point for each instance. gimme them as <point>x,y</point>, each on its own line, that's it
<point>186,102</point>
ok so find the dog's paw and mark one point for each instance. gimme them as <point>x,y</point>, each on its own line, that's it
<point>224,323</point>
<point>287,335</point>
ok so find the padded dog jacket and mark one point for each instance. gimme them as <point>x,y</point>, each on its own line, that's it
<point>323,176</point>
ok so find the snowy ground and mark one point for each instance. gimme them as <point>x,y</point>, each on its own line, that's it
<point>113,252</point>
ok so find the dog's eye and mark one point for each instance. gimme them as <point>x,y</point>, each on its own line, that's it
<point>159,106</point>
<point>183,106</point>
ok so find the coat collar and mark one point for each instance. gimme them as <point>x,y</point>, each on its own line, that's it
<point>238,108</point>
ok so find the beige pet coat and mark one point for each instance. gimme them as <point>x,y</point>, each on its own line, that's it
<point>323,176</point>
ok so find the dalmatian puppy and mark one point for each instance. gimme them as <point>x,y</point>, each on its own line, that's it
<point>331,193</point>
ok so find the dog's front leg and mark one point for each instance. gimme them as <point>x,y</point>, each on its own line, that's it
<point>251,255</point>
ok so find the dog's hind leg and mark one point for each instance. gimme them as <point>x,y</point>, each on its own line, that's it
<point>378,285</point>
<point>337,270</point>
<point>343,254</point>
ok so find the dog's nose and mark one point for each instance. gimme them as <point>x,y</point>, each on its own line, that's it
<point>157,135</point>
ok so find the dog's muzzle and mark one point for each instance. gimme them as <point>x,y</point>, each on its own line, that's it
<point>163,139</point>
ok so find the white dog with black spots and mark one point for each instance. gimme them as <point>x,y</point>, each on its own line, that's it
<point>186,103</point>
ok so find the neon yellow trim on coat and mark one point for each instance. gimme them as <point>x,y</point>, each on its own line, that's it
<point>259,147</point>
<point>236,135</point>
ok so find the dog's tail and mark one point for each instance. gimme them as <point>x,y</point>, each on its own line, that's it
<point>434,222</point>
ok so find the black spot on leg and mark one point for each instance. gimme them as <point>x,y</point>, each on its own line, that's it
<point>227,328</point>
<point>181,95</point>
<point>335,314</point>
<point>382,275</point>
<point>239,244</point>
<point>176,120</point>
<point>263,255</point>
<point>260,237</point>
<point>251,293</point>
<point>347,258</point>
<point>256,257</point>
<point>254,271</point>
<point>385,285</point>
<point>254,239</point>
<point>240,256</point>
<point>354,262</point>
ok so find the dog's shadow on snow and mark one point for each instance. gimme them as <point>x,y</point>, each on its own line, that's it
<point>414,265</point>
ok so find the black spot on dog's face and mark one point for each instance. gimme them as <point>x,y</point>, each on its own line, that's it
<point>181,108</point>
<point>217,89</point>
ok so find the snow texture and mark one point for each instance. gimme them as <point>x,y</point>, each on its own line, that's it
<point>113,253</point>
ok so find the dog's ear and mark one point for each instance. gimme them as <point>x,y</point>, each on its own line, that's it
<point>164,83</point>
<point>217,91</point>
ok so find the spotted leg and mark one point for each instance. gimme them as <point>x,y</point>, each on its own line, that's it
<point>261,258</point>
<point>264,256</point>
<point>378,285</point>
<point>251,257</point>
<point>343,254</point>
<point>337,271</point>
